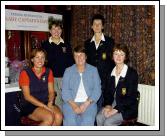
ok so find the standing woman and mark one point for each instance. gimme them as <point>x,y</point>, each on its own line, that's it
<point>98,51</point>
<point>59,56</point>
<point>80,92</point>
<point>37,98</point>
<point>121,97</point>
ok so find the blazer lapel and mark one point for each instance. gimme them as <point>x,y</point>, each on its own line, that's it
<point>93,47</point>
<point>102,43</point>
<point>113,88</point>
<point>121,79</point>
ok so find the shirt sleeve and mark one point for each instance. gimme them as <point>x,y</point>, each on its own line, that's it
<point>24,79</point>
<point>50,77</point>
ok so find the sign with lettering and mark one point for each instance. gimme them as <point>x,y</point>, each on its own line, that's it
<point>28,21</point>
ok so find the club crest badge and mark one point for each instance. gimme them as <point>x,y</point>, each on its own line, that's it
<point>43,78</point>
<point>64,49</point>
<point>104,56</point>
<point>123,91</point>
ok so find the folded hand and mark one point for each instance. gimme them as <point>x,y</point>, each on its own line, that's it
<point>84,106</point>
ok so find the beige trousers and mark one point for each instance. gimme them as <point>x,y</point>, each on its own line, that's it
<point>58,89</point>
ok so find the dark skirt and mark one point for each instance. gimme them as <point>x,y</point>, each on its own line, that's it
<point>28,109</point>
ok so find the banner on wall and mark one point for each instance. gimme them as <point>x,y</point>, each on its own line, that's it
<point>28,21</point>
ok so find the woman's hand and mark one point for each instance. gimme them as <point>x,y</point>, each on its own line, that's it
<point>109,111</point>
<point>84,106</point>
<point>48,108</point>
<point>105,111</point>
<point>50,104</point>
<point>76,109</point>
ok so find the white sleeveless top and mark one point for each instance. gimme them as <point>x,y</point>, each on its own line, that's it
<point>81,95</point>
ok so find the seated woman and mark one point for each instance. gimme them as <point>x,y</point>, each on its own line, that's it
<point>37,98</point>
<point>120,98</point>
<point>80,91</point>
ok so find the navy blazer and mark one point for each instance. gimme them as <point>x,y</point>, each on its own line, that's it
<point>126,94</point>
<point>100,57</point>
<point>58,59</point>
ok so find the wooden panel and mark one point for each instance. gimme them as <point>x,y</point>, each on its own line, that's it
<point>132,25</point>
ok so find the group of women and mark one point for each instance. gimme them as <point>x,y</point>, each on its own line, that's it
<point>89,85</point>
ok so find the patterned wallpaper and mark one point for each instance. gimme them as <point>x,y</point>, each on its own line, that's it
<point>133,25</point>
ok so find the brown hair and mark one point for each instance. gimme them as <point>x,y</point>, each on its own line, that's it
<point>52,21</point>
<point>79,49</point>
<point>124,48</point>
<point>34,52</point>
<point>98,17</point>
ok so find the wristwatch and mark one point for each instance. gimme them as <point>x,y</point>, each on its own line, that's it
<point>90,100</point>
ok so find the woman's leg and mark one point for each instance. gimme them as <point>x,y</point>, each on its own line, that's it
<point>43,115</point>
<point>58,116</point>
<point>88,117</point>
<point>114,120</point>
<point>100,118</point>
<point>70,118</point>
<point>58,89</point>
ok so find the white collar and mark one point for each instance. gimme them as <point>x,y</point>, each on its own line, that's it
<point>102,38</point>
<point>123,72</point>
<point>61,40</point>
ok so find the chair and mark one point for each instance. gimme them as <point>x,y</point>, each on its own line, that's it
<point>133,121</point>
<point>25,120</point>
<point>130,122</point>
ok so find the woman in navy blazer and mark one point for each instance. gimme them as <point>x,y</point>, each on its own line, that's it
<point>121,97</point>
<point>81,90</point>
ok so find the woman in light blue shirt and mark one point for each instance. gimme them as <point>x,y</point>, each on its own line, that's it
<point>81,90</point>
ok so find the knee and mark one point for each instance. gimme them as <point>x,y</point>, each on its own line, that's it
<point>49,119</point>
<point>59,116</point>
<point>89,121</point>
<point>69,122</point>
<point>99,118</point>
<point>109,122</point>
<point>106,123</point>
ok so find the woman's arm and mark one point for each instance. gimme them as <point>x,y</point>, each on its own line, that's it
<point>51,92</point>
<point>51,96</point>
<point>132,86</point>
<point>66,91</point>
<point>75,107</point>
<point>96,93</point>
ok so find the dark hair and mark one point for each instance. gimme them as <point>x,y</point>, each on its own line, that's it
<point>52,21</point>
<point>34,52</point>
<point>124,48</point>
<point>98,17</point>
<point>79,49</point>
